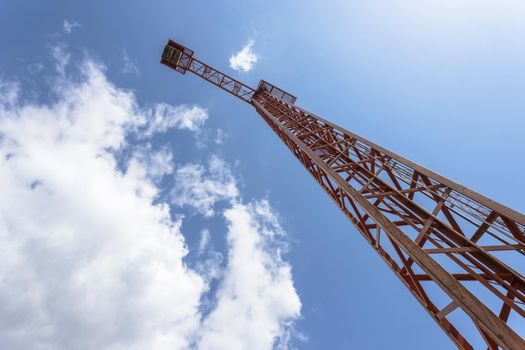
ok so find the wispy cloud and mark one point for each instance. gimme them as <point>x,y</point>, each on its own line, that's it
<point>62,57</point>
<point>204,241</point>
<point>210,261</point>
<point>220,136</point>
<point>162,117</point>
<point>149,166</point>
<point>69,26</point>
<point>129,66</point>
<point>245,59</point>
<point>9,92</point>
<point>201,187</point>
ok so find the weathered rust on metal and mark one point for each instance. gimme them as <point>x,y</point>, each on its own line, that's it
<point>431,231</point>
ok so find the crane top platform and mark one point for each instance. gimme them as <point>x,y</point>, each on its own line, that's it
<point>180,58</point>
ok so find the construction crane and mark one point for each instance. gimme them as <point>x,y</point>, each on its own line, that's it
<point>457,251</point>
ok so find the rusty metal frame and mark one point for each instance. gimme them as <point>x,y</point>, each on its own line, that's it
<point>219,79</point>
<point>431,231</point>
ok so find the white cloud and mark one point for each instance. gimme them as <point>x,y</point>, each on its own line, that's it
<point>201,187</point>
<point>129,67</point>
<point>89,261</point>
<point>257,301</point>
<point>150,164</point>
<point>70,25</point>
<point>245,59</point>
<point>149,167</point>
<point>163,116</point>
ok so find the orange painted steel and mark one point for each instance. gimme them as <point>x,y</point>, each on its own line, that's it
<point>459,253</point>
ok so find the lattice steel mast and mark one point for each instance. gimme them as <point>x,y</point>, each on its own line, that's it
<point>435,234</point>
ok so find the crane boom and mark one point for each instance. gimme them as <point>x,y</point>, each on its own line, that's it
<point>433,233</point>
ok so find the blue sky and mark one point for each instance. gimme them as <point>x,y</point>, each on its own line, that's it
<point>439,83</point>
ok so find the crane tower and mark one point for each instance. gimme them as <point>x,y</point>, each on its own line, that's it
<point>459,253</point>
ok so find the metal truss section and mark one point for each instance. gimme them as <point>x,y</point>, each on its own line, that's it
<point>433,233</point>
<point>216,77</point>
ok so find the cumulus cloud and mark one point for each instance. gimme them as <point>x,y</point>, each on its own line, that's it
<point>91,259</point>
<point>256,301</point>
<point>87,260</point>
<point>70,25</point>
<point>245,59</point>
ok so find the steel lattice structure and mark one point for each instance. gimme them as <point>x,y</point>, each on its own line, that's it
<point>433,233</point>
